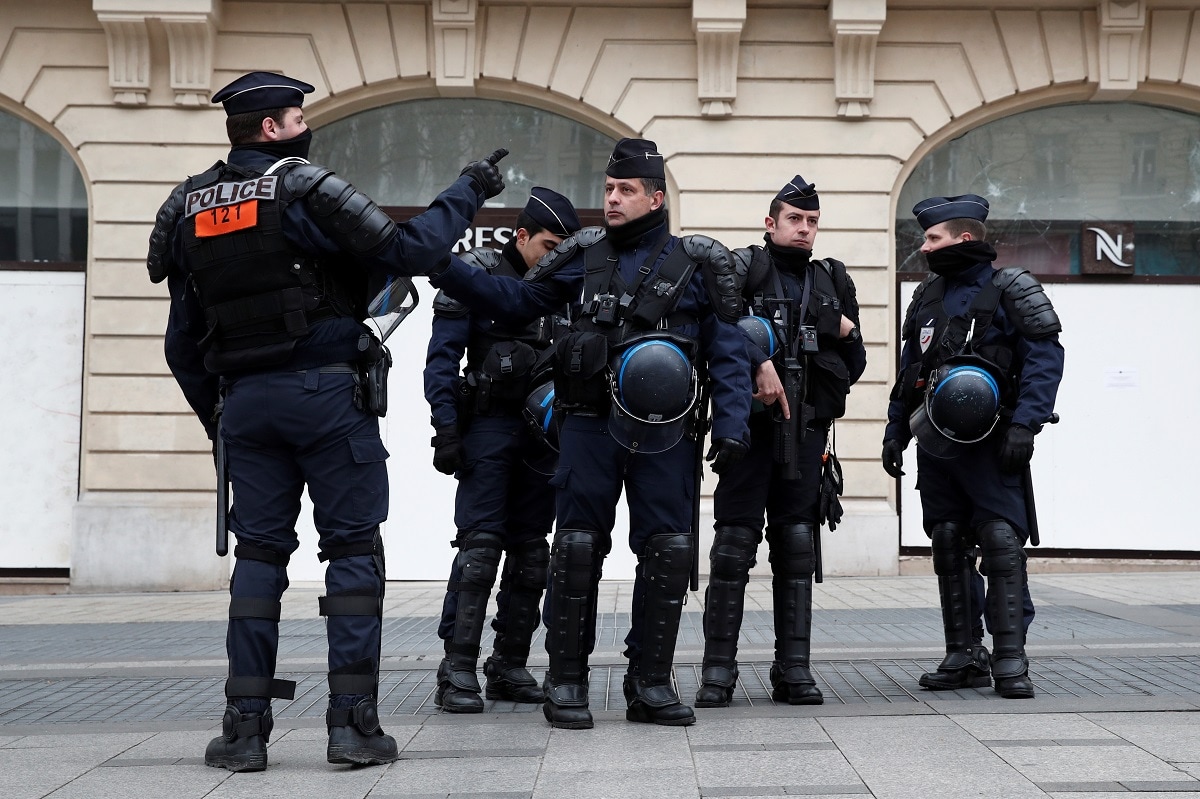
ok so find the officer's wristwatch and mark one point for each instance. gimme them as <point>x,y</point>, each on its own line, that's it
<point>854,336</point>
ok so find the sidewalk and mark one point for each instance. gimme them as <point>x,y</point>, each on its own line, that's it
<point>117,695</point>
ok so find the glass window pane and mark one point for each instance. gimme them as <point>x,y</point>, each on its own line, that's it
<point>1052,173</point>
<point>404,154</point>
<point>43,204</point>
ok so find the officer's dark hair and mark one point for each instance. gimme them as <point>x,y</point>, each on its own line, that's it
<point>957,227</point>
<point>531,225</point>
<point>652,185</point>
<point>245,128</point>
<point>776,208</point>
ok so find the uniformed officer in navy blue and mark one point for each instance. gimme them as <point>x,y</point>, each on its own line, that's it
<point>799,295</point>
<point>504,505</point>
<point>644,292</point>
<point>981,329</point>
<point>269,261</point>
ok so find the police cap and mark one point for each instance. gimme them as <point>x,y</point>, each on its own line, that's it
<point>936,210</point>
<point>636,158</point>
<point>801,194</point>
<point>262,91</point>
<point>552,211</point>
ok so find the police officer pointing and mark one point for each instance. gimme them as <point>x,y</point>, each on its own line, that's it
<point>270,262</point>
<point>504,504</point>
<point>979,372</point>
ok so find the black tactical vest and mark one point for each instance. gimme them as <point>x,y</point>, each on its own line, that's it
<point>259,293</point>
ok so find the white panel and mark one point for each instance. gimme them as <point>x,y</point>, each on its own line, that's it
<point>41,358</point>
<point>1116,472</point>
<point>420,524</point>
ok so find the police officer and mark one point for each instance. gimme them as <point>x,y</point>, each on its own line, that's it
<point>983,335</point>
<point>663,296</point>
<point>504,504</point>
<point>269,261</point>
<point>812,307</point>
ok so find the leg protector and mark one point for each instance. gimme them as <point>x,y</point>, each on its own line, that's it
<point>521,585</point>
<point>353,611</point>
<point>477,562</point>
<point>730,561</point>
<point>575,579</point>
<point>1004,559</point>
<point>965,664</point>
<point>793,561</point>
<point>252,640</point>
<point>666,565</point>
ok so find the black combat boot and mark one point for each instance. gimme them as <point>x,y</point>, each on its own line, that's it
<point>521,586</point>
<point>458,686</point>
<point>1004,559</point>
<point>475,566</point>
<point>511,681</point>
<point>355,737</point>
<point>793,561</point>
<point>665,567</point>
<point>966,664</point>
<point>724,601</point>
<point>242,744</point>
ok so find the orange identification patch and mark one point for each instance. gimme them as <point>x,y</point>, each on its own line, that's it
<point>226,219</point>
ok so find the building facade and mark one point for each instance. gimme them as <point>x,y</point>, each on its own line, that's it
<point>1080,120</point>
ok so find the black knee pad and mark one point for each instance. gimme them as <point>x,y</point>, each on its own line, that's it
<point>792,549</point>
<point>576,559</point>
<point>949,548</point>
<point>1003,555</point>
<point>478,561</point>
<point>527,564</point>
<point>667,559</point>
<point>733,552</point>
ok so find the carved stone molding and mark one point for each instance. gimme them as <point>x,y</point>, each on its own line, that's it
<point>718,25</point>
<point>1122,25</point>
<point>191,27</point>
<point>454,43</point>
<point>855,26</point>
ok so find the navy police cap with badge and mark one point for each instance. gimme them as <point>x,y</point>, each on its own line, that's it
<point>801,194</point>
<point>936,210</point>
<point>262,91</point>
<point>552,211</point>
<point>636,158</point>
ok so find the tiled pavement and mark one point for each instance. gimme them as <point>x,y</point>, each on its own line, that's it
<point>113,696</point>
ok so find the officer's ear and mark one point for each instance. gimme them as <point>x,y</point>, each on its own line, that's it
<point>965,236</point>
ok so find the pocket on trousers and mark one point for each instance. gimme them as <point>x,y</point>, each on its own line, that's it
<point>368,449</point>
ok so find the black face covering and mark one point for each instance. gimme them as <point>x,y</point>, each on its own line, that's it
<point>628,234</point>
<point>792,259</point>
<point>295,147</point>
<point>957,258</point>
<point>511,254</point>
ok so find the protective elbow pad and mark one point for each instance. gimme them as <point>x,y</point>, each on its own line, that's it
<point>158,256</point>
<point>1027,304</point>
<point>564,252</point>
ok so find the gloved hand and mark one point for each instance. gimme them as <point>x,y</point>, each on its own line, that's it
<point>447,450</point>
<point>893,457</point>
<point>724,453</point>
<point>1017,448</point>
<point>488,180</point>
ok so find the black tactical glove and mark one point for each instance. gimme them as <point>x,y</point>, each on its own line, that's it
<point>1017,448</point>
<point>724,453</point>
<point>893,457</point>
<point>487,179</point>
<point>447,450</point>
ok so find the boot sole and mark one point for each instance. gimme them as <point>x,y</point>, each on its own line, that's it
<point>698,703</point>
<point>237,766</point>
<point>582,724</point>
<point>971,682</point>
<point>646,716</point>
<point>359,757</point>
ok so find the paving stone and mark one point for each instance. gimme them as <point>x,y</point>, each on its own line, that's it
<point>1090,764</point>
<point>459,775</point>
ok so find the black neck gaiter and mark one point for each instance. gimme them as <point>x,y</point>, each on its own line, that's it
<point>958,258</point>
<point>510,253</point>
<point>630,233</point>
<point>789,259</point>
<point>295,147</point>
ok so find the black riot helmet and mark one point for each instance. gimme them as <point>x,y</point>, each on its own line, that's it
<point>654,387</point>
<point>961,407</point>
<point>761,332</point>
<point>543,419</point>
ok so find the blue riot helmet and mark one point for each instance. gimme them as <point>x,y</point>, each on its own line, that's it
<point>761,332</point>
<point>654,387</point>
<point>544,420</point>
<point>961,407</point>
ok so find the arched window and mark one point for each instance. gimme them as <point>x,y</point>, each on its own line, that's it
<point>43,204</point>
<point>404,154</point>
<point>1098,188</point>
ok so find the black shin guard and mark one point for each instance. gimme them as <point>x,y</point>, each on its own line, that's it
<point>965,665</point>
<point>575,578</point>
<point>793,561</point>
<point>522,583</point>
<point>476,564</point>
<point>730,561</point>
<point>1004,559</point>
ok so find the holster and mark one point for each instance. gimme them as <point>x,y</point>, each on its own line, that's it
<point>371,393</point>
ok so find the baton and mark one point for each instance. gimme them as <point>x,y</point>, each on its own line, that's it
<point>222,486</point>
<point>1031,521</point>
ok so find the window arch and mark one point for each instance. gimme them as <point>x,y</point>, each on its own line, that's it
<point>405,153</point>
<point>43,202</point>
<point>1097,188</point>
